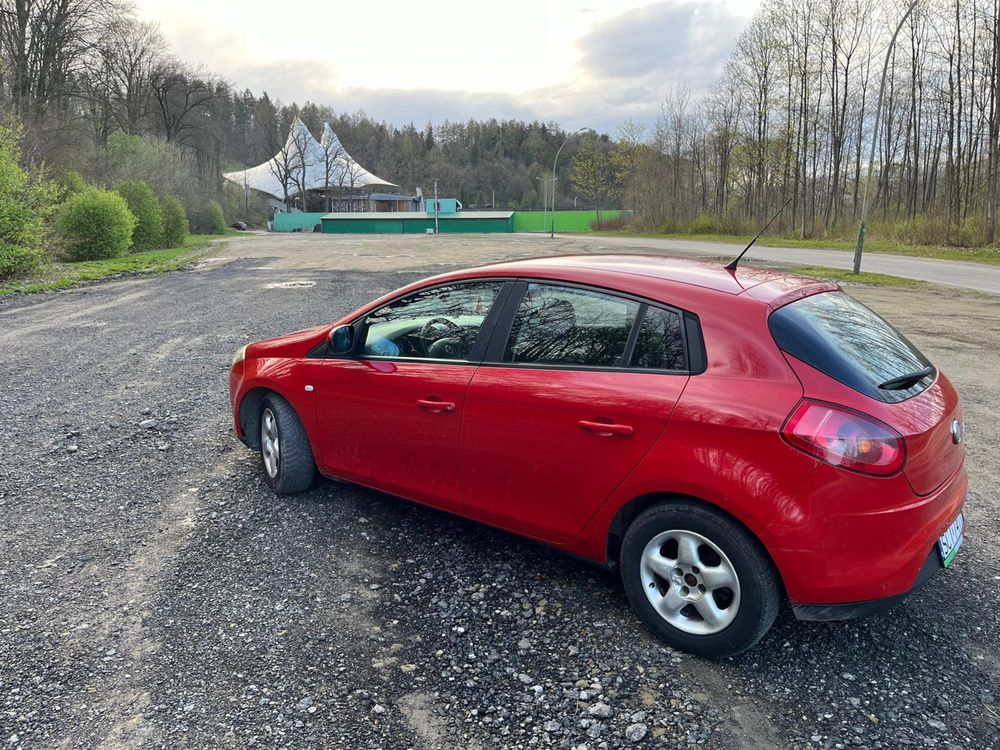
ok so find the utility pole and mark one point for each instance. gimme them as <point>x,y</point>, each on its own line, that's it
<point>437,209</point>
<point>859,250</point>
<point>554,162</point>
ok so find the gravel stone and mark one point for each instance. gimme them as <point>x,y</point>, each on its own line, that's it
<point>635,732</point>
<point>164,599</point>
<point>601,710</point>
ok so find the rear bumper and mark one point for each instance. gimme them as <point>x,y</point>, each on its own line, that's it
<point>853,540</point>
<point>851,610</point>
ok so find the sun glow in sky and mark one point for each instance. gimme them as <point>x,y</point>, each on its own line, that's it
<point>591,63</point>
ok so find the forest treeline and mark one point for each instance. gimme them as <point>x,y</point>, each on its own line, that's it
<point>793,116</point>
<point>99,92</point>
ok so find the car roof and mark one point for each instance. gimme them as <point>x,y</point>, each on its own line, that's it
<point>764,285</point>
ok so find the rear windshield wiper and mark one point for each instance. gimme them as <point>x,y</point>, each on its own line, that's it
<point>905,381</point>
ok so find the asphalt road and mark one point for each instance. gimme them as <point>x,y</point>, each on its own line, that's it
<point>157,595</point>
<point>979,276</point>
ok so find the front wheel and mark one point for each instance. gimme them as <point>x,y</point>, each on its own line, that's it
<point>698,579</point>
<point>284,447</point>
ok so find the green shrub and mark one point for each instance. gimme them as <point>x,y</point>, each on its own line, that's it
<point>611,224</point>
<point>70,183</point>
<point>703,224</point>
<point>209,219</point>
<point>24,206</point>
<point>669,226</point>
<point>970,232</point>
<point>95,224</point>
<point>142,202</point>
<point>175,222</point>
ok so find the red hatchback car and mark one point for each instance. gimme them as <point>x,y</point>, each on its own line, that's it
<point>723,438</point>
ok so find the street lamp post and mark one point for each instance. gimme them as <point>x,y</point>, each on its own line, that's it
<point>554,162</point>
<point>545,198</point>
<point>871,157</point>
<point>437,210</point>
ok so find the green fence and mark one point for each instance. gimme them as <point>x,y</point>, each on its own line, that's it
<point>566,221</point>
<point>291,222</point>
<point>387,224</point>
<point>524,221</point>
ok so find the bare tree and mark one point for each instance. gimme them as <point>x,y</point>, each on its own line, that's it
<point>44,44</point>
<point>283,165</point>
<point>333,164</point>
<point>179,92</point>
<point>130,53</point>
<point>304,159</point>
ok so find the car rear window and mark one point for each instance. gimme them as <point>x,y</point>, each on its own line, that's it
<point>842,338</point>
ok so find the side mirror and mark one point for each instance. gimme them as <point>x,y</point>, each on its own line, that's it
<point>342,340</point>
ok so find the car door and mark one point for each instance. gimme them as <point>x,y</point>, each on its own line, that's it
<point>389,414</point>
<point>566,405</point>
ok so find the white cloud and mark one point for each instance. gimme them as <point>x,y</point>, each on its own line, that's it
<point>551,60</point>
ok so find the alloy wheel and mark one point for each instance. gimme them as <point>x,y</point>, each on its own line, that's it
<point>690,582</point>
<point>270,448</point>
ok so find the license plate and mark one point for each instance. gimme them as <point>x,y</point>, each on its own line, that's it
<point>951,540</point>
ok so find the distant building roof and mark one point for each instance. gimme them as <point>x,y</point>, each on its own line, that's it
<point>393,197</point>
<point>303,152</point>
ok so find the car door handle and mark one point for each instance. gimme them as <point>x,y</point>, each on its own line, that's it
<point>606,429</point>
<point>435,406</point>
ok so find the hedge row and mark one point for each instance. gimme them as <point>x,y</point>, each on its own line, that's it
<point>95,224</point>
<point>83,221</point>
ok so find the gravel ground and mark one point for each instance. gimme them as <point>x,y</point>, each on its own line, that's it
<point>157,595</point>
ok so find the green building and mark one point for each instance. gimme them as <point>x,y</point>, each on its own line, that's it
<point>418,222</point>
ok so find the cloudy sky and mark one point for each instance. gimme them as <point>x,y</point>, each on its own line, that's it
<point>592,63</point>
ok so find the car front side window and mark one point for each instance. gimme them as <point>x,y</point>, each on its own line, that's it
<point>441,322</point>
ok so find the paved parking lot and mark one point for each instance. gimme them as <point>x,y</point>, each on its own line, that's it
<point>157,595</point>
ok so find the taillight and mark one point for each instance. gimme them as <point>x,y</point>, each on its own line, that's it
<point>845,438</point>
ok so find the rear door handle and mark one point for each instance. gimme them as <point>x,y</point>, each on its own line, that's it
<point>606,429</point>
<point>435,406</point>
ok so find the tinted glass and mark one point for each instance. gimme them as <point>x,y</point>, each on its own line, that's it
<point>660,344</point>
<point>565,326</point>
<point>437,323</point>
<point>839,336</point>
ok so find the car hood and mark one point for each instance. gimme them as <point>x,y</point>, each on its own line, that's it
<point>296,344</point>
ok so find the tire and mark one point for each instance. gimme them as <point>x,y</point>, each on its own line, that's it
<point>285,452</point>
<point>681,559</point>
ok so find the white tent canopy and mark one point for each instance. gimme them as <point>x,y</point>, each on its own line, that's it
<point>327,166</point>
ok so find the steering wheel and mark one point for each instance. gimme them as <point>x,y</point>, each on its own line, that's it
<point>437,328</point>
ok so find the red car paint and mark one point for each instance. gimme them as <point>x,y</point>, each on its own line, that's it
<point>506,446</point>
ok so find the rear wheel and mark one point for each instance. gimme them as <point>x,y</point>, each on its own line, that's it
<point>284,447</point>
<point>698,579</point>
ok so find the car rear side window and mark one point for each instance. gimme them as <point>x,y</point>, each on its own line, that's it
<point>660,344</point>
<point>842,338</point>
<point>568,326</point>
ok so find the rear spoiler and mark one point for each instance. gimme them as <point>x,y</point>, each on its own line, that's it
<point>806,290</point>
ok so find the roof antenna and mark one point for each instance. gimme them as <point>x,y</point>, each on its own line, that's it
<point>736,261</point>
